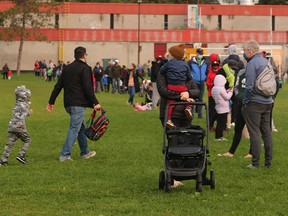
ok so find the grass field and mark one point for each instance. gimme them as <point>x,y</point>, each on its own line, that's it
<point>123,178</point>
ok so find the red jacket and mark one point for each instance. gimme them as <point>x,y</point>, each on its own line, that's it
<point>211,74</point>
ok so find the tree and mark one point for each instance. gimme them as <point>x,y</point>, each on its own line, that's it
<point>24,21</point>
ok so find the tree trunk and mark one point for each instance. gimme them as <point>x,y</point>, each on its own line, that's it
<point>21,44</point>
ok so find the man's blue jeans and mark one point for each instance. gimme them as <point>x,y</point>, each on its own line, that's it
<point>76,131</point>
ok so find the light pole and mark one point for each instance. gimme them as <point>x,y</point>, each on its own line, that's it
<point>138,33</point>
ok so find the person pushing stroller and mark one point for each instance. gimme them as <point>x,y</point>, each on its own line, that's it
<point>177,72</point>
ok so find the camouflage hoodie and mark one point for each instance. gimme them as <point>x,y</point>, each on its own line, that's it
<point>21,110</point>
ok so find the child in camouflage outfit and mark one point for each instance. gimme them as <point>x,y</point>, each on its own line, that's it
<point>17,125</point>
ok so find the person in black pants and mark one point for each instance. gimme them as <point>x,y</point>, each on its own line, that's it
<point>240,121</point>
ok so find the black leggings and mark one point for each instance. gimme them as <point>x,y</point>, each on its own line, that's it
<point>221,124</point>
<point>239,125</point>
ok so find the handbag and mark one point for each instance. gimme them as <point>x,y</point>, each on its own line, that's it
<point>95,128</point>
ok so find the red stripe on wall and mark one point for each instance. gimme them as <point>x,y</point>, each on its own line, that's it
<point>166,36</point>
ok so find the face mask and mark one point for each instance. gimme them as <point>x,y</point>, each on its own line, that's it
<point>232,71</point>
<point>200,56</point>
<point>246,57</point>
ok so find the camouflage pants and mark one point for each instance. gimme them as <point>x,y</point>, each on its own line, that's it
<point>12,139</point>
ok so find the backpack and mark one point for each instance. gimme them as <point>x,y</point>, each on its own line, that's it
<point>95,128</point>
<point>265,83</point>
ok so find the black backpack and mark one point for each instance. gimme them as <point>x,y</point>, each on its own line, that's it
<point>95,129</point>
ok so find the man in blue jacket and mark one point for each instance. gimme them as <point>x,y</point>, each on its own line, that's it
<point>199,69</point>
<point>76,80</point>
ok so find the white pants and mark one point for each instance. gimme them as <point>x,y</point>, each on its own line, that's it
<point>155,95</point>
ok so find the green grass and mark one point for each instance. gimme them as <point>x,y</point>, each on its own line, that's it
<point>123,178</point>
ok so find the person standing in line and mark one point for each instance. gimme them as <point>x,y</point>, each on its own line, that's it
<point>17,126</point>
<point>76,80</point>
<point>178,116</point>
<point>177,72</point>
<point>221,97</point>
<point>108,71</point>
<point>154,72</point>
<point>232,51</point>
<point>256,108</point>
<point>115,75</point>
<point>199,69</point>
<point>240,122</point>
<point>98,74</point>
<point>214,67</point>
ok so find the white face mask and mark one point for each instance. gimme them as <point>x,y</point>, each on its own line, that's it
<point>200,56</point>
<point>232,71</point>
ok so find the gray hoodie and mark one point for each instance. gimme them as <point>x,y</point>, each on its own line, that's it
<point>21,110</point>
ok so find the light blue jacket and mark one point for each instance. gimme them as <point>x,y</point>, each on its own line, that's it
<point>198,72</point>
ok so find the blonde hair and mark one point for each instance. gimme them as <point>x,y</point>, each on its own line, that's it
<point>252,45</point>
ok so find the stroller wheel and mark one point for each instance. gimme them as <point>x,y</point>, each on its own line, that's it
<point>168,183</point>
<point>212,179</point>
<point>168,187</point>
<point>161,179</point>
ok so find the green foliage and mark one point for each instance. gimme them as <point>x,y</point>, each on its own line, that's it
<point>272,2</point>
<point>26,18</point>
<point>123,178</point>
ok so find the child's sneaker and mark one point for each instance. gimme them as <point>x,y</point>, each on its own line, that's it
<point>188,113</point>
<point>170,125</point>
<point>3,163</point>
<point>21,159</point>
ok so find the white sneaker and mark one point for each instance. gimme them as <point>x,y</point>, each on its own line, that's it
<point>274,130</point>
<point>221,139</point>
<point>89,155</point>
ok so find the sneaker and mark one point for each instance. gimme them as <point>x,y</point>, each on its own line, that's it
<point>21,159</point>
<point>3,163</point>
<point>227,154</point>
<point>248,156</point>
<point>188,113</point>
<point>233,124</point>
<point>251,166</point>
<point>170,125</point>
<point>89,155</point>
<point>65,158</point>
<point>274,130</point>
<point>221,139</point>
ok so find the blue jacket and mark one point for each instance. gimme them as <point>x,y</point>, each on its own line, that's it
<point>177,72</point>
<point>198,72</point>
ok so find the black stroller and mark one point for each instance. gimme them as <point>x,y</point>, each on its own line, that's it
<point>185,155</point>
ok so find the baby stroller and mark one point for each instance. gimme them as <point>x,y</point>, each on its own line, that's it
<point>185,154</point>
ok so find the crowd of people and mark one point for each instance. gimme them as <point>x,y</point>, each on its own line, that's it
<point>230,88</point>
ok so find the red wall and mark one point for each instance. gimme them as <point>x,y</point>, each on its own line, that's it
<point>163,36</point>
